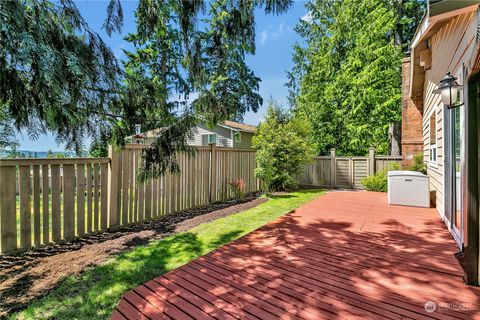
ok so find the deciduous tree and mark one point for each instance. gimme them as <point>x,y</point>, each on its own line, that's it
<point>283,147</point>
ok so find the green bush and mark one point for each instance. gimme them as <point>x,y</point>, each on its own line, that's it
<point>283,148</point>
<point>418,164</point>
<point>378,181</point>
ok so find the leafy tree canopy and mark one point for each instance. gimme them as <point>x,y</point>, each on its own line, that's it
<point>283,147</point>
<point>347,79</point>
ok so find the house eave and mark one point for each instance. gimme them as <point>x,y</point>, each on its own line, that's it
<point>427,28</point>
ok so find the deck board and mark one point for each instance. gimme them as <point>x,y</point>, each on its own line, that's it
<point>345,255</point>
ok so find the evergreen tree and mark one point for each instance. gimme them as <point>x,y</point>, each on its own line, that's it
<point>347,77</point>
<point>56,74</point>
<point>181,48</point>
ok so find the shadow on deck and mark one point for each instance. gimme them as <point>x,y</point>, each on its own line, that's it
<point>343,255</point>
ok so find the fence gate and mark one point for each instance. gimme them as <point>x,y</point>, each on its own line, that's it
<point>343,172</point>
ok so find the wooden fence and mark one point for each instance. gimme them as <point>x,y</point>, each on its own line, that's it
<point>54,200</point>
<point>343,172</point>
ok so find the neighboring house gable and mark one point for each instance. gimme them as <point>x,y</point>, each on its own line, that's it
<point>226,135</point>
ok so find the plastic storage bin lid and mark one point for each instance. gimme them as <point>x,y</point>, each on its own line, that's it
<point>405,173</point>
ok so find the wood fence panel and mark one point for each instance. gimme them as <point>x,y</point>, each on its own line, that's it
<point>360,171</point>
<point>68,202</point>
<point>37,237</point>
<point>8,212</point>
<point>73,197</point>
<point>45,205</point>
<point>342,172</point>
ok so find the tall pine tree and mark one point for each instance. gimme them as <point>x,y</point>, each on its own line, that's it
<point>347,78</point>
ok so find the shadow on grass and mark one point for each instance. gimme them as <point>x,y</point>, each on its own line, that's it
<point>297,194</point>
<point>95,293</point>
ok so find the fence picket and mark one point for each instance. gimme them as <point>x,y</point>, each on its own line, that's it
<point>81,184</point>
<point>96,196</point>
<point>36,205</point>
<point>89,198</point>
<point>68,201</point>
<point>104,196</point>
<point>8,219</point>
<point>56,230</point>
<point>45,205</point>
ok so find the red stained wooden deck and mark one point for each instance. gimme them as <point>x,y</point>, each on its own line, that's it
<point>345,255</point>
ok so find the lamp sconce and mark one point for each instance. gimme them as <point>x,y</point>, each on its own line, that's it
<point>448,89</point>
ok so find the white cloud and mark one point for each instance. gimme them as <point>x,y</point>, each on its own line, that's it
<point>307,18</point>
<point>272,33</point>
<point>264,36</point>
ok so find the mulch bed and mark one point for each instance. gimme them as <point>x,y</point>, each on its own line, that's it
<point>28,275</point>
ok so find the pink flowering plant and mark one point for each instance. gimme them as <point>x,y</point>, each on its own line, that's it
<point>237,187</point>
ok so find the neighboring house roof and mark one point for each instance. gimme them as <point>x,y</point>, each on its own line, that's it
<point>227,124</point>
<point>240,126</point>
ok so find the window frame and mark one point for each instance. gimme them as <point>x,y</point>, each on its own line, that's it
<point>210,140</point>
<point>433,148</point>
<point>239,135</point>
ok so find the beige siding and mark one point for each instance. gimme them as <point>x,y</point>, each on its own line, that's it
<point>452,47</point>
<point>246,140</point>
<point>223,136</point>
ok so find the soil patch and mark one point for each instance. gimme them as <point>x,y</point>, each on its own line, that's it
<point>28,275</point>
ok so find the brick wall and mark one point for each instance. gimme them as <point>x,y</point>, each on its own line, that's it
<point>412,135</point>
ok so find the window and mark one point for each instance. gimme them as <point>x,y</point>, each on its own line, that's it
<point>209,138</point>
<point>212,138</point>
<point>237,137</point>
<point>433,137</point>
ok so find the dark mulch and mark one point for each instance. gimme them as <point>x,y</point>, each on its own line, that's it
<point>28,275</point>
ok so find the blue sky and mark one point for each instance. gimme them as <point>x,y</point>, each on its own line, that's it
<point>274,42</point>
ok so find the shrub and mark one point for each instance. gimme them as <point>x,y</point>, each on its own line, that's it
<point>283,148</point>
<point>418,164</point>
<point>379,181</point>
<point>237,187</point>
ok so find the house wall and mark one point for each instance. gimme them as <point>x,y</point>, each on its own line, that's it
<point>223,135</point>
<point>412,133</point>
<point>452,46</point>
<point>246,141</point>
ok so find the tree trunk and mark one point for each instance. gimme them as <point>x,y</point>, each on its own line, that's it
<point>395,137</point>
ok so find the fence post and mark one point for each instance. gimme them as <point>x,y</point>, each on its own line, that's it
<point>114,181</point>
<point>333,168</point>
<point>371,161</point>
<point>213,174</point>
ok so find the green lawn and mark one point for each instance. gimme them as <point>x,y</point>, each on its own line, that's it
<point>95,293</point>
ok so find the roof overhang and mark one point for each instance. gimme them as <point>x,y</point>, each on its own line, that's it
<point>439,14</point>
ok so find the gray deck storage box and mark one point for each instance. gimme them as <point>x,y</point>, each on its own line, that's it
<point>408,188</point>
